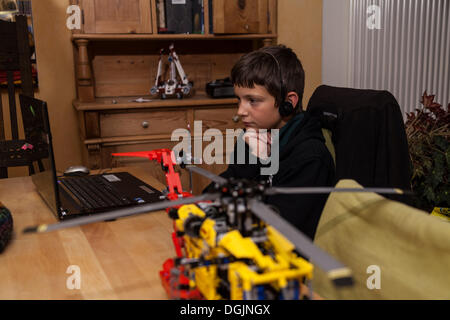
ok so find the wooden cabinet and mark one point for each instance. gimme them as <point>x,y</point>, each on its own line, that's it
<point>116,56</point>
<point>110,16</point>
<point>240,16</point>
<point>243,16</point>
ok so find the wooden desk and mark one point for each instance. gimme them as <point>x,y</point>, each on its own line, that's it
<point>117,260</point>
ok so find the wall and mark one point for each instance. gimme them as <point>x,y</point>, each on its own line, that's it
<point>300,27</point>
<point>56,81</point>
<point>335,42</point>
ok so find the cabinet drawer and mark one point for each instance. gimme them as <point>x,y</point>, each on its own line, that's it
<point>220,118</point>
<point>142,123</point>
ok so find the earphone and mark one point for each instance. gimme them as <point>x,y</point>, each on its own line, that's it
<point>285,108</point>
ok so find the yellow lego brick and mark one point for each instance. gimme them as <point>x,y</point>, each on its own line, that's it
<point>208,232</point>
<point>245,248</point>
<point>207,281</point>
<point>279,241</point>
<point>443,213</point>
<point>185,212</point>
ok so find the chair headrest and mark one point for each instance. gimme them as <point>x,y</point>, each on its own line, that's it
<point>331,104</point>
<point>336,99</point>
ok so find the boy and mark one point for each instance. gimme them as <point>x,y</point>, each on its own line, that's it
<point>269,84</point>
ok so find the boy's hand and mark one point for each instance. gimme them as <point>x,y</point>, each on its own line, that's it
<point>259,143</point>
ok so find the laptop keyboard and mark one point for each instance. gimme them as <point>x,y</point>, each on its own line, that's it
<point>95,192</point>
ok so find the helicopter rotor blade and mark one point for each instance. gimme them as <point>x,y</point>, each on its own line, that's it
<point>336,271</point>
<point>320,190</point>
<point>119,213</point>
<point>213,177</point>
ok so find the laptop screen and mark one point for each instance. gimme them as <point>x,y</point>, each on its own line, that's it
<point>38,135</point>
<point>66,197</point>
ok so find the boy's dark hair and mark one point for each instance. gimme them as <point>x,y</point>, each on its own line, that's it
<point>260,67</point>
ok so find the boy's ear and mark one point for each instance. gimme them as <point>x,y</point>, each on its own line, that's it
<point>292,97</point>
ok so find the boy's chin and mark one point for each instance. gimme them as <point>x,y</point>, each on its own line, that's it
<point>250,126</point>
<point>254,126</point>
<point>255,129</point>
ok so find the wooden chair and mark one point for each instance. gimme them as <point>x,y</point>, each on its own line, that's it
<point>15,56</point>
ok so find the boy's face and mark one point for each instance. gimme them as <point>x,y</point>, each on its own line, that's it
<point>257,108</point>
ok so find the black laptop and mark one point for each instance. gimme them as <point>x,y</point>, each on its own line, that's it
<point>70,197</point>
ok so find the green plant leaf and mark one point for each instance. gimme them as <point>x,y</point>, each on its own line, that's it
<point>441,142</point>
<point>427,130</point>
<point>429,194</point>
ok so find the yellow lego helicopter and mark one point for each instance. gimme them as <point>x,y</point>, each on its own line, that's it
<point>229,243</point>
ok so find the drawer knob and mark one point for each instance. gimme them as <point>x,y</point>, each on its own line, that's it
<point>145,124</point>
<point>236,119</point>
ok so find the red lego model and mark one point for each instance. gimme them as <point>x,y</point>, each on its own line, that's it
<point>173,279</point>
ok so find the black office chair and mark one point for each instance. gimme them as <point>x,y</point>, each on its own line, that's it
<point>15,56</point>
<point>368,135</point>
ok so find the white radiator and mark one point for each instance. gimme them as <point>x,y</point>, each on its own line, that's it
<point>409,54</point>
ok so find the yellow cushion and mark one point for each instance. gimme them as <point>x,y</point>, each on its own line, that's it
<point>329,143</point>
<point>410,247</point>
